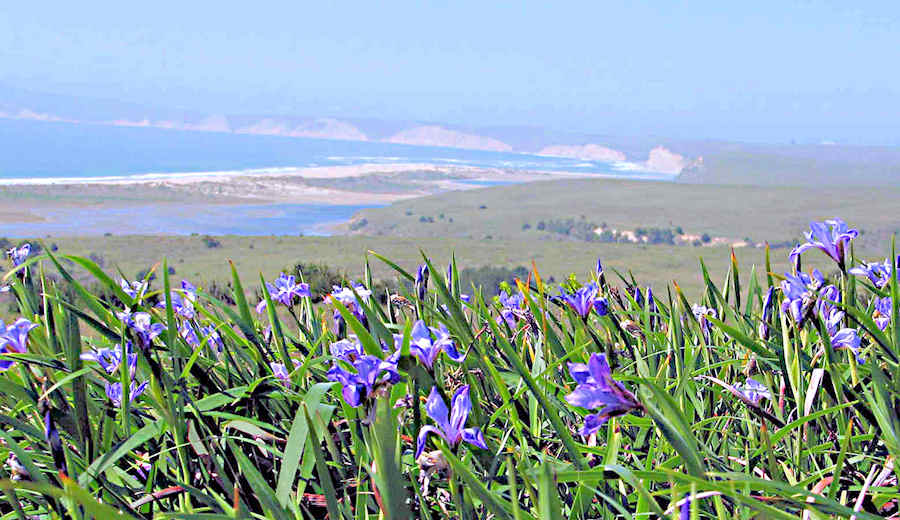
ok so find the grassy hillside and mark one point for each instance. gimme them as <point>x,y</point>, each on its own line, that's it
<point>190,257</point>
<point>797,166</point>
<point>734,212</point>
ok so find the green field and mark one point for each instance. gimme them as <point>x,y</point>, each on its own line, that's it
<point>493,235</point>
<point>192,259</point>
<point>735,212</point>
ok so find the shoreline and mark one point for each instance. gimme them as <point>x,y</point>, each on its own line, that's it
<point>324,172</point>
<point>67,205</point>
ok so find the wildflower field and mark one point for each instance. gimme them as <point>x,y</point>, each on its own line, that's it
<point>596,398</point>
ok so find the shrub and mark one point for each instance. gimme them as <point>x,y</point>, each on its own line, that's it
<point>210,242</point>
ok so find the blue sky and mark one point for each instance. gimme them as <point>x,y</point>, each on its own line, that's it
<point>766,71</point>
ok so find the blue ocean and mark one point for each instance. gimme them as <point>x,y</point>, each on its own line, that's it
<point>44,150</point>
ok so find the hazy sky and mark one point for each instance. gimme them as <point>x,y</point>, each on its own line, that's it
<point>763,70</point>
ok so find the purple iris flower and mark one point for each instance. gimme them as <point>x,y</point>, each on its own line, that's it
<point>635,293</point>
<point>348,299</point>
<point>427,342</point>
<point>512,301</point>
<point>879,273</point>
<point>143,466</point>
<point>702,313</point>
<point>599,268</point>
<point>823,305</point>
<point>187,332</point>
<point>768,306</point>
<point>371,374</point>
<point>284,290</point>
<point>685,511</point>
<point>848,339</point>
<point>132,289</point>
<point>183,301</point>
<point>18,254</point>
<point>831,237</point>
<point>882,312</point>
<point>143,328</point>
<point>753,391</point>
<point>799,292</point>
<point>109,359</point>
<point>450,423</point>
<point>213,339</point>
<point>581,301</point>
<point>349,350</point>
<point>281,372</point>
<point>114,392</point>
<point>421,283</point>
<point>510,304</point>
<point>597,390</point>
<point>843,338</point>
<point>652,308</point>
<point>14,340</point>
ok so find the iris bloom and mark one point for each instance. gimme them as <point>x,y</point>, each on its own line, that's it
<point>213,339</point>
<point>843,338</point>
<point>370,375</point>
<point>652,308</point>
<point>109,359</point>
<point>281,372</point>
<point>19,254</point>
<point>584,300</point>
<point>799,292</point>
<point>879,273</point>
<point>831,237</point>
<point>284,290</point>
<point>635,293</point>
<point>132,288</point>
<point>348,299</point>
<point>349,350</point>
<point>183,301</point>
<point>768,305</point>
<point>510,304</point>
<point>14,340</point>
<point>753,391</point>
<point>421,283</point>
<point>597,390</point>
<point>427,342</point>
<point>685,511</point>
<point>701,312</point>
<point>450,424</point>
<point>114,392</point>
<point>143,328</point>
<point>187,332</point>
<point>848,339</point>
<point>882,312</point>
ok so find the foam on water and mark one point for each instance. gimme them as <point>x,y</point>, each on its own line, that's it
<point>33,152</point>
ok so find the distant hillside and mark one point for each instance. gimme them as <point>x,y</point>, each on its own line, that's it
<point>796,166</point>
<point>439,136</point>
<point>751,213</point>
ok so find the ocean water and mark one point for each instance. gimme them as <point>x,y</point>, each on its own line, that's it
<point>43,151</point>
<point>211,219</point>
<point>47,150</point>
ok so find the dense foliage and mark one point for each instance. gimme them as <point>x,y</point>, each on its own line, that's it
<point>772,398</point>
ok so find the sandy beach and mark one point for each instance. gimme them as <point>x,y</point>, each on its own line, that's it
<point>67,202</point>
